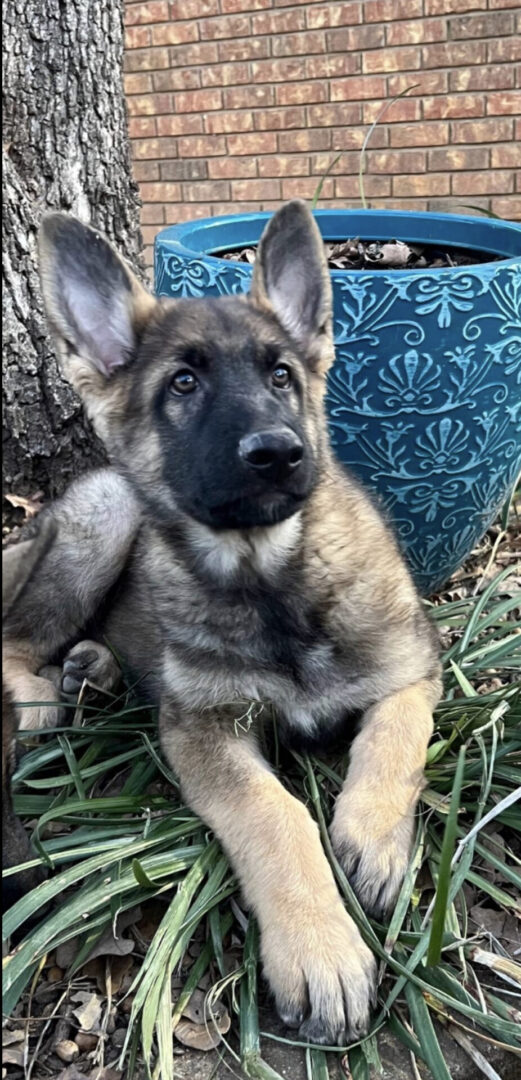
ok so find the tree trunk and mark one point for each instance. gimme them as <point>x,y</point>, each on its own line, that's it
<point>65,146</point>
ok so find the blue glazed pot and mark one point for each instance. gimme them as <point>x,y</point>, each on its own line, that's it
<point>425,394</point>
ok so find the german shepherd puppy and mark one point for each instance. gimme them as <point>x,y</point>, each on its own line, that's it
<point>230,556</point>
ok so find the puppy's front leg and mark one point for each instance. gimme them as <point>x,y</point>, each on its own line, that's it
<point>373,824</point>
<point>321,972</point>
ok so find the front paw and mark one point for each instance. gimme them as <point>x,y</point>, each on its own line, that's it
<point>373,852</point>
<point>322,974</point>
<point>43,709</point>
<point>89,661</point>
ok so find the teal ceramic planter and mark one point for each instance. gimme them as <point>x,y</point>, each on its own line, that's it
<point>425,394</point>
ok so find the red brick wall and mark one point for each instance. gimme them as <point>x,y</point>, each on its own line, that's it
<point>241,104</point>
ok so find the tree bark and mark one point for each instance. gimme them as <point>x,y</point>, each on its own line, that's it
<point>65,146</point>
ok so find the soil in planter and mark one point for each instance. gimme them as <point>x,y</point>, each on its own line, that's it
<point>359,254</point>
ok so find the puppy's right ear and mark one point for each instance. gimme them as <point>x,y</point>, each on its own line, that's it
<point>96,307</point>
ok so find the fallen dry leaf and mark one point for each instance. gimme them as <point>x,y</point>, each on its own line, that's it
<point>11,1037</point>
<point>88,1013</point>
<point>202,1027</point>
<point>31,505</point>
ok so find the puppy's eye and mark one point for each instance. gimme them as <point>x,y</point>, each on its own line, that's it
<point>184,383</point>
<point>281,376</point>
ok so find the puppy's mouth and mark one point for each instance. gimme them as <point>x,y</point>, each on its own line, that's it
<point>249,513</point>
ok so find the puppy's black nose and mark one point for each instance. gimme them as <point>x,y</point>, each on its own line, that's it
<point>272,453</point>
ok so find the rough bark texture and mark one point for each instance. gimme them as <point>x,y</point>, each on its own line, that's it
<point>65,146</point>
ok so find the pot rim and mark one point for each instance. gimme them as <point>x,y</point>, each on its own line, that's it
<point>187,238</point>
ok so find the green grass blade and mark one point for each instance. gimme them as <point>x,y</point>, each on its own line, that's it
<point>447,851</point>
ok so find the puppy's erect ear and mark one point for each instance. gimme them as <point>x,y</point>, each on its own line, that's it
<point>95,306</point>
<point>291,278</point>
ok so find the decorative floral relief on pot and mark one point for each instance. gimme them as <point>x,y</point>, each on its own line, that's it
<point>424,397</point>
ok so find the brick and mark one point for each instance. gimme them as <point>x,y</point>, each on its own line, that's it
<point>401,204</point>
<point>454,54</point>
<point>245,208</point>
<point>448,7</point>
<point>174,33</point>
<point>386,10</point>
<point>161,192</point>
<point>249,97</point>
<point>280,119</point>
<point>229,26</point>
<point>303,141</point>
<point>428,82</point>
<point>503,104</point>
<point>502,50</point>
<point>145,170</point>
<point>282,70</point>
<point>508,207</point>
<point>505,157</point>
<point>455,159</point>
<point>398,112</point>
<point>232,6</point>
<point>188,213</point>
<point>333,14</point>
<point>226,74</point>
<point>249,49</point>
<point>149,233</point>
<point>300,93</point>
<point>148,104</point>
<point>193,9</point>
<point>332,65</point>
<point>436,134</point>
<point>355,39</point>
<point>284,165</point>
<point>236,168</point>
<point>137,83</point>
<point>487,78</point>
<point>348,187</point>
<point>179,125</point>
<point>499,4</point>
<point>201,146</point>
<point>187,169</point>
<point>494,24</point>
<point>384,162</point>
<point>299,44</point>
<point>255,143</point>
<point>482,131</point>
<point>194,54</point>
<point>255,189</point>
<point>304,187</point>
<point>415,33</point>
<point>348,163</point>
<point>197,101</point>
<point>222,123</point>
<point>406,59</point>
<point>141,127</point>
<point>351,138</point>
<point>206,192</point>
<point>177,79</point>
<point>278,22</point>
<point>145,59</point>
<point>333,113</point>
<point>152,214</point>
<point>137,37</point>
<point>428,184</point>
<point>154,12</point>
<point>435,108</point>
<point>483,183</point>
<point>154,149</point>
<point>357,88</point>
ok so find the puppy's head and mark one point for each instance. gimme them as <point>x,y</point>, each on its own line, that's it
<point>213,407</point>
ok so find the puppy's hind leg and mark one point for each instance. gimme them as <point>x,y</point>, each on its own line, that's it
<point>96,523</point>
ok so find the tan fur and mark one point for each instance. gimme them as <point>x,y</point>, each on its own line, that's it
<point>311,948</point>
<point>373,823</point>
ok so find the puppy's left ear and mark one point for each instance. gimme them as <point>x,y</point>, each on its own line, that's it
<point>291,278</point>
